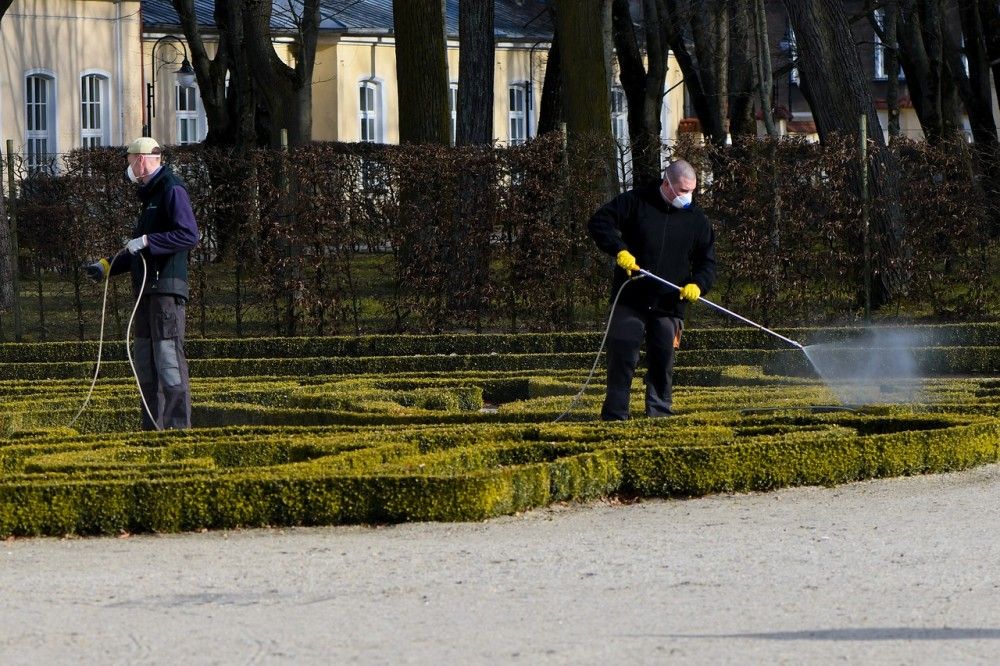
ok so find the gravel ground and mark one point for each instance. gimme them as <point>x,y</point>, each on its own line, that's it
<point>894,571</point>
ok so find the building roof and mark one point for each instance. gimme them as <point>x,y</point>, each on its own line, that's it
<point>516,20</point>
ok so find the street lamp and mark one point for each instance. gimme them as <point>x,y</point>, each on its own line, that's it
<point>185,78</point>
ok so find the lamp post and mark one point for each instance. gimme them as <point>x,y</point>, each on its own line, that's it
<point>185,77</point>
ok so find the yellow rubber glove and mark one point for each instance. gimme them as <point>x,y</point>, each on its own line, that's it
<point>691,292</point>
<point>626,260</point>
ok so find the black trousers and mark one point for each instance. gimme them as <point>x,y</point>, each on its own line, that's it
<point>158,352</point>
<point>628,328</point>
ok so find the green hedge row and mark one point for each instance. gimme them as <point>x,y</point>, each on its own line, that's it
<point>51,494</point>
<point>948,335</point>
<point>408,400</point>
<point>932,362</point>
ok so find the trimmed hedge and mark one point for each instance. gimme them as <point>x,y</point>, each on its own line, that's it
<point>932,361</point>
<point>52,494</point>
<point>945,335</point>
<point>382,438</point>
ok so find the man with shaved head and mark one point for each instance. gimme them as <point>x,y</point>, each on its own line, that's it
<point>655,227</point>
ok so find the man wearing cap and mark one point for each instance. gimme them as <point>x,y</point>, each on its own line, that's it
<point>164,234</point>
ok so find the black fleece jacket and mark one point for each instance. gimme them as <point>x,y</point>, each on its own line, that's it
<point>675,244</point>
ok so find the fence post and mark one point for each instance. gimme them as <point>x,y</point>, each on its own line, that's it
<point>572,274</point>
<point>866,238</point>
<point>283,185</point>
<point>15,270</point>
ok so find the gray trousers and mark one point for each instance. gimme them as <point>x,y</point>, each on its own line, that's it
<point>158,352</point>
<point>628,329</point>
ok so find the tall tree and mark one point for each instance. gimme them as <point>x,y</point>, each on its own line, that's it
<point>422,71</point>
<point>285,90</point>
<point>763,73</point>
<point>741,69</point>
<point>887,29</point>
<point>973,73</point>
<point>582,24</point>
<point>475,72</point>
<point>698,34</point>
<point>840,93</point>
<point>922,55</point>
<point>643,85</point>
<point>550,113</point>
<point>230,113</point>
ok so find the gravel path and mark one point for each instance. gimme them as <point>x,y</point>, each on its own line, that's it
<point>896,571</point>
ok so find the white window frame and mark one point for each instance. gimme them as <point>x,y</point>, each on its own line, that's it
<point>517,113</point>
<point>793,54</point>
<point>879,52</point>
<point>619,129</point>
<point>36,160</point>
<point>99,109</point>
<point>965,58</point>
<point>619,115</point>
<point>189,118</point>
<point>371,116</point>
<point>453,106</point>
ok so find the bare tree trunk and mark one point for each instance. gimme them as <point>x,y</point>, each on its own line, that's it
<point>643,87</point>
<point>422,70</point>
<point>989,14</point>
<point>211,72</point>
<point>974,87</point>
<point>762,66</point>
<point>585,83</point>
<point>922,57</point>
<point>741,70</point>
<point>475,72</point>
<point>840,94</point>
<point>890,45</point>
<point>705,69</point>
<point>286,91</point>
<point>550,113</point>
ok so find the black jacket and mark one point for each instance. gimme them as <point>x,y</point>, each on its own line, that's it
<point>167,221</point>
<point>675,244</point>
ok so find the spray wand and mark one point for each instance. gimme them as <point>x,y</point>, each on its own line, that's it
<point>728,312</point>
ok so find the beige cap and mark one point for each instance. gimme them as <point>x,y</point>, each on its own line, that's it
<point>144,145</point>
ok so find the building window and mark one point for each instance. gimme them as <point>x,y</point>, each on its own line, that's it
<point>369,99</point>
<point>453,106</point>
<point>40,107</point>
<point>188,116</point>
<point>792,49</point>
<point>879,52</point>
<point>94,112</point>
<point>517,114</point>
<point>619,128</point>
<point>619,116</point>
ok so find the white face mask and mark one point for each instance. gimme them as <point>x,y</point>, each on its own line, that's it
<point>131,174</point>
<point>681,201</point>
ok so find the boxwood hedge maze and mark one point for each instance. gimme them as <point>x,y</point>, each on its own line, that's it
<point>310,431</point>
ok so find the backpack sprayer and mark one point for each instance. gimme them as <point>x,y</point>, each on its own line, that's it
<point>644,273</point>
<point>128,347</point>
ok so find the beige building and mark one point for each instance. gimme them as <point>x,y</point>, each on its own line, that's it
<point>70,75</point>
<point>87,73</point>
